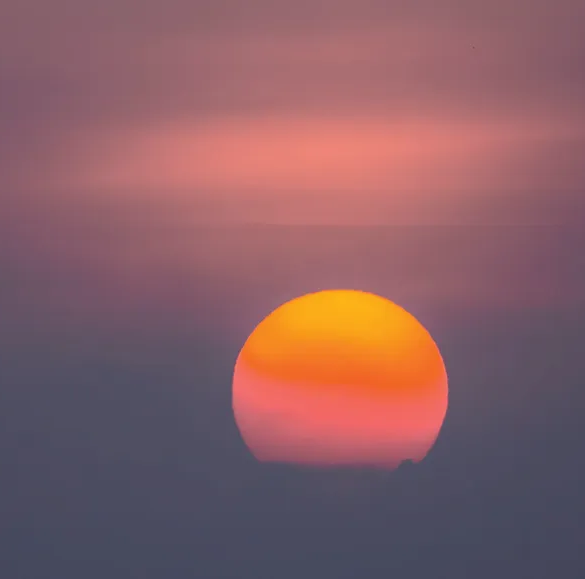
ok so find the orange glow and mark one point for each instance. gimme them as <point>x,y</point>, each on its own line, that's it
<point>340,377</point>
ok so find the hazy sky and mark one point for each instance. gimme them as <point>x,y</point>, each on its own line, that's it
<point>393,110</point>
<point>130,129</point>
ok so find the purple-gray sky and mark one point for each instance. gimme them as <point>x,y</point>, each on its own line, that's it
<point>416,105</point>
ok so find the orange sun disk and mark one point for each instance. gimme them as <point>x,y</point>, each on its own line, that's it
<point>340,377</point>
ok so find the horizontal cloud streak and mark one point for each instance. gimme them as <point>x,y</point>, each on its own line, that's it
<point>292,153</point>
<point>215,98</point>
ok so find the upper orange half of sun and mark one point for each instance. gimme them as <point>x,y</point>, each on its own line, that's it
<point>346,338</point>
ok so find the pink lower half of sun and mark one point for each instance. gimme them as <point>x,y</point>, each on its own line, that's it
<point>326,425</point>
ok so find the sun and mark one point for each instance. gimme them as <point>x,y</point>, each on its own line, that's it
<point>340,377</point>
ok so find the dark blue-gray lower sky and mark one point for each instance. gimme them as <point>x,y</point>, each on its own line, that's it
<point>118,450</point>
